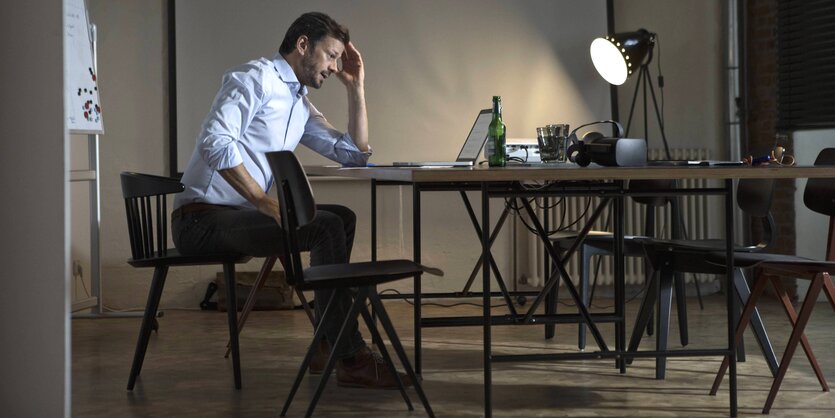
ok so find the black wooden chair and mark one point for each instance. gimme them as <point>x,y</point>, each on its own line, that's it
<point>819,196</point>
<point>356,279</point>
<point>669,257</point>
<point>601,243</point>
<point>146,206</point>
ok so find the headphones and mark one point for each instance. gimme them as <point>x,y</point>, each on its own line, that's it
<point>579,150</point>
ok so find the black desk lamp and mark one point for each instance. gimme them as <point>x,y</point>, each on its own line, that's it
<point>617,56</point>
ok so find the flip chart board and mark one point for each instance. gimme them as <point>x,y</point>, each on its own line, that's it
<point>82,107</point>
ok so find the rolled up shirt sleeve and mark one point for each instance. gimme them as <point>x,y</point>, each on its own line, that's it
<point>322,137</point>
<point>232,111</point>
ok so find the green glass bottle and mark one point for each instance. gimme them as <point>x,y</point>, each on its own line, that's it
<point>496,136</point>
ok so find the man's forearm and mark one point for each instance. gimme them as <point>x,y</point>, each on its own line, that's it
<point>358,118</point>
<point>244,184</point>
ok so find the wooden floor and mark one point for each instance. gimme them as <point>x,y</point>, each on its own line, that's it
<point>185,374</point>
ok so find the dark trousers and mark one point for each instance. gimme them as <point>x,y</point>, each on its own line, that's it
<point>329,238</point>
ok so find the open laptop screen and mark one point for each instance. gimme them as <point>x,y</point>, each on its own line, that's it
<point>477,137</point>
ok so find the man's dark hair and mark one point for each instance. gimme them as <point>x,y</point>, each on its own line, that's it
<point>315,26</point>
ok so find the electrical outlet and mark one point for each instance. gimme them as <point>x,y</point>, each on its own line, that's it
<point>77,270</point>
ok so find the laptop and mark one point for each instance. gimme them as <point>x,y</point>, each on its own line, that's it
<point>469,152</point>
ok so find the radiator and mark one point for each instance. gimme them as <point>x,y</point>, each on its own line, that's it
<point>695,212</point>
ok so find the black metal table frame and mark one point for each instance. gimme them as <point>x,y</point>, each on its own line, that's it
<point>613,192</point>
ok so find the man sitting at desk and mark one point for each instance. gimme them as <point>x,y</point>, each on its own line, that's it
<point>262,107</point>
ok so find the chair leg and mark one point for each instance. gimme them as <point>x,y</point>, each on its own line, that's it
<point>151,307</point>
<point>807,348</point>
<point>385,321</point>
<point>353,312</point>
<point>318,334</point>
<point>650,272</point>
<point>747,312</point>
<point>829,290</point>
<point>735,314</point>
<point>794,339</point>
<point>378,341</point>
<point>681,308</point>
<point>665,300</point>
<point>302,299</point>
<point>743,292</point>
<point>650,328</point>
<point>306,307</point>
<point>585,255</point>
<point>266,268</point>
<point>644,315</point>
<point>232,319</point>
<point>551,309</point>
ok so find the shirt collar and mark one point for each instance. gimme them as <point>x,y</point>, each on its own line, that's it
<point>287,75</point>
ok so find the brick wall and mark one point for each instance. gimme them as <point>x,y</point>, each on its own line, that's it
<point>762,74</point>
<point>762,110</point>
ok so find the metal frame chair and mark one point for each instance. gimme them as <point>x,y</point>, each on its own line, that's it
<point>669,257</point>
<point>600,243</point>
<point>358,280</point>
<point>819,196</point>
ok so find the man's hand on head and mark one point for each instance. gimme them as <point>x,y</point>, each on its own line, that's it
<point>353,72</point>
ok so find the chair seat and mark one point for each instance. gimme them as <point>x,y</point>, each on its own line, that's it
<point>602,240</point>
<point>360,274</point>
<point>694,245</point>
<point>786,263</point>
<point>571,235</point>
<point>173,257</point>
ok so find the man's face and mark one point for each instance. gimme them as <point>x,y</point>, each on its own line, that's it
<point>320,61</point>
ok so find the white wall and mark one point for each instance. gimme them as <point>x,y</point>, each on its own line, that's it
<point>80,285</point>
<point>132,83</point>
<point>691,51</point>
<point>430,65</point>
<point>34,355</point>
<point>133,88</point>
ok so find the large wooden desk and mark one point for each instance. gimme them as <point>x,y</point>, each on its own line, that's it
<point>568,180</point>
<point>567,172</point>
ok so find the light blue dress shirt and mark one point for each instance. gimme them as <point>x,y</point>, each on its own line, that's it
<point>261,107</point>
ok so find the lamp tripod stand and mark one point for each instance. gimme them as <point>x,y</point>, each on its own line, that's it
<point>645,81</point>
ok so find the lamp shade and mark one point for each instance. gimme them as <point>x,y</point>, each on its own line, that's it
<point>617,56</point>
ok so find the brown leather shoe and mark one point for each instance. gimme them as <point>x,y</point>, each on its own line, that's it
<point>320,357</point>
<point>368,370</point>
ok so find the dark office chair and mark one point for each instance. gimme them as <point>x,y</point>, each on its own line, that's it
<point>669,257</point>
<point>146,206</point>
<point>600,243</point>
<point>819,196</point>
<point>359,280</point>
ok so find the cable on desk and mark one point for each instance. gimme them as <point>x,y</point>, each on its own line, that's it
<point>518,211</point>
<point>555,204</point>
